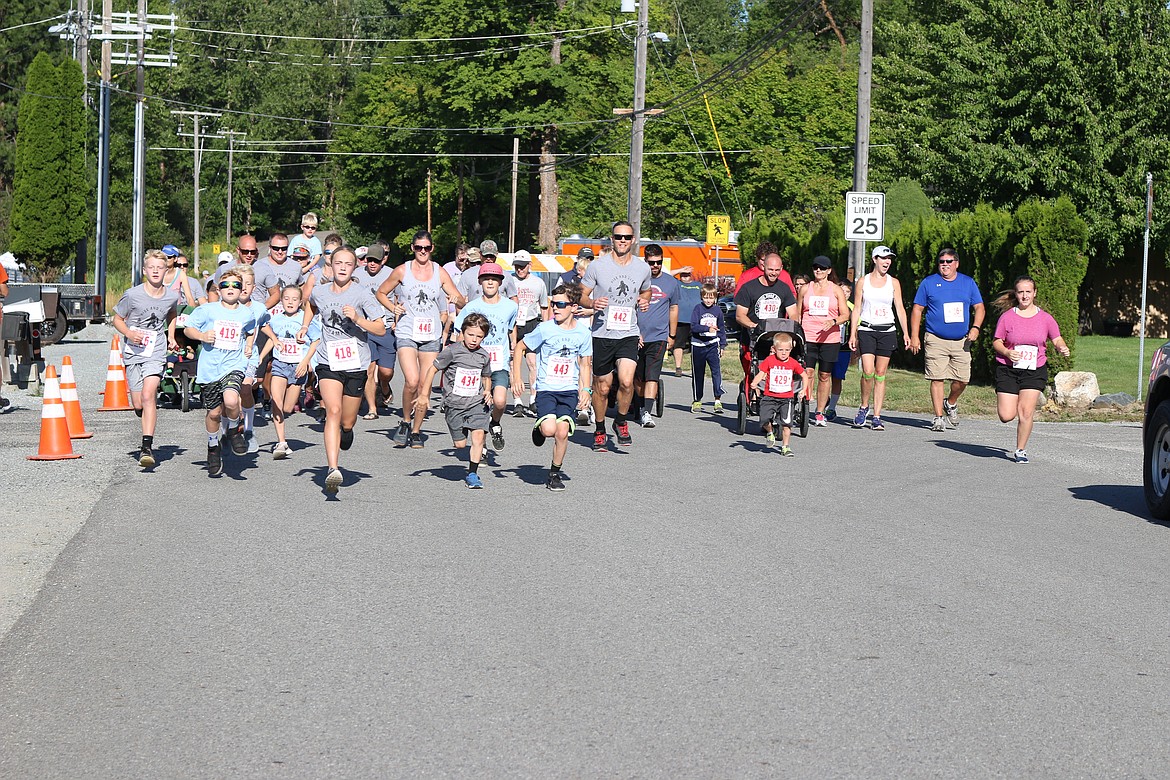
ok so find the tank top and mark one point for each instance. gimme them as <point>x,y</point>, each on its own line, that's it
<point>817,309</point>
<point>420,322</point>
<point>877,305</point>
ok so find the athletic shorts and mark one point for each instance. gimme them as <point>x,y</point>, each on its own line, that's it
<point>650,361</point>
<point>558,403</point>
<point>682,335</point>
<point>607,352</point>
<point>383,350</point>
<point>841,368</point>
<point>211,394</point>
<point>501,379</point>
<point>353,383</point>
<point>460,421</point>
<point>435,345</point>
<point>137,372</point>
<point>526,328</point>
<point>288,371</point>
<point>824,355</point>
<point>877,342</point>
<point>776,410</point>
<point>946,359</point>
<point>1011,380</point>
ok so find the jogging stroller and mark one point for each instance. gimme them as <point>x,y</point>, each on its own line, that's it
<point>761,346</point>
<point>178,387</point>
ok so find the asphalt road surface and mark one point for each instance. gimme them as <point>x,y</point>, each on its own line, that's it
<point>897,604</point>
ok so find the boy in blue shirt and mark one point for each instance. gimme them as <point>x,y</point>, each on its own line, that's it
<point>708,339</point>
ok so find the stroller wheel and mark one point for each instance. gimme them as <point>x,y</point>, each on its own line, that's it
<point>803,413</point>
<point>741,414</point>
<point>185,391</point>
<point>660,401</point>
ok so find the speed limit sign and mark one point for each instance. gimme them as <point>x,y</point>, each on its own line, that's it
<point>865,216</point>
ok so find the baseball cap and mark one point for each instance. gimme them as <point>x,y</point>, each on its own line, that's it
<point>300,250</point>
<point>881,251</point>
<point>170,250</point>
<point>820,261</point>
<point>360,252</point>
<point>522,257</point>
<point>375,252</point>
<point>584,252</point>
<point>491,269</point>
<point>489,248</point>
<point>474,256</point>
<point>225,257</point>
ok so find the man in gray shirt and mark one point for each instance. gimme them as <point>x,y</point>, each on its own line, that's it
<point>275,272</point>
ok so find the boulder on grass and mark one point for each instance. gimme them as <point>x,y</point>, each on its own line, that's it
<point>1113,401</point>
<point>1076,389</point>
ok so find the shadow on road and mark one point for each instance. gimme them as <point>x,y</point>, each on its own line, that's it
<point>1129,499</point>
<point>350,478</point>
<point>529,474</point>
<point>452,472</point>
<point>977,450</point>
<point>162,454</point>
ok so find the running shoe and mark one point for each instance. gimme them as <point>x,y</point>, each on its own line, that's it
<point>281,451</point>
<point>473,481</point>
<point>830,414</point>
<point>583,416</point>
<point>696,407</point>
<point>554,482</point>
<point>253,442</point>
<point>678,372</point>
<point>497,432</point>
<point>237,440</point>
<point>645,420</point>
<point>146,458</point>
<point>877,424</point>
<point>622,430</point>
<point>718,409</point>
<point>819,420</point>
<point>346,438</point>
<point>333,480</point>
<point>862,413</point>
<point>518,410</point>
<point>952,413</point>
<point>531,410</point>
<point>600,442</point>
<point>538,437</point>
<point>938,426</point>
<point>416,441</point>
<point>214,461</point>
<point>770,439</point>
<point>786,451</point>
<point>401,436</point>
<point>1021,456</point>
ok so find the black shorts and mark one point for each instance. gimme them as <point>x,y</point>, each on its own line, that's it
<point>877,342</point>
<point>1012,380</point>
<point>353,383</point>
<point>607,352</point>
<point>776,410</point>
<point>682,335</point>
<point>824,354</point>
<point>650,361</point>
<point>211,394</point>
<point>526,328</point>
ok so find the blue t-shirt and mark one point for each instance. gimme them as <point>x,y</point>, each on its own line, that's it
<point>948,304</point>
<point>690,296</point>
<point>501,315</point>
<point>286,327</point>
<point>557,350</point>
<point>313,244</point>
<point>232,327</point>
<point>655,321</point>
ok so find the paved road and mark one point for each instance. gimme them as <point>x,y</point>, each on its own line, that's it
<point>897,604</point>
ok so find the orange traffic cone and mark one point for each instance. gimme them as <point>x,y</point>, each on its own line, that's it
<point>72,404</point>
<point>55,444</point>
<point>116,397</point>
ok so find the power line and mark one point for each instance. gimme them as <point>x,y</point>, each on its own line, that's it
<point>319,39</point>
<point>30,24</point>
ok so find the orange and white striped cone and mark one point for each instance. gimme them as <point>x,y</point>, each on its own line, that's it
<point>55,444</point>
<point>116,397</point>
<point>72,404</point>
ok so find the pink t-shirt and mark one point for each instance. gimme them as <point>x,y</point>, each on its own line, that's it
<point>1034,331</point>
<point>817,309</point>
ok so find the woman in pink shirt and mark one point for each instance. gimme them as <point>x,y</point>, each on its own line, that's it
<point>823,309</point>
<point>1021,370</point>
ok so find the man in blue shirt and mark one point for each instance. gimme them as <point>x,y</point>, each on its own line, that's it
<point>954,316</point>
<point>658,327</point>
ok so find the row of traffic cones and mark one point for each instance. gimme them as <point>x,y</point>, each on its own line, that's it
<point>61,419</point>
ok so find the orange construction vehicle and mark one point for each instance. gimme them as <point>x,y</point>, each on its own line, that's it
<point>706,260</point>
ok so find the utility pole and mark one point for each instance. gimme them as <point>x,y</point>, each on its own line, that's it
<point>515,177</point>
<point>198,147</point>
<point>636,136</point>
<point>428,200</point>
<point>231,136</point>
<point>103,204</point>
<point>138,226</point>
<point>83,38</point>
<point>861,153</point>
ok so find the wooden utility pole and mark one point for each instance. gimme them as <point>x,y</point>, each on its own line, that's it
<point>138,225</point>
<point>639,125</point>
<point>428,200</point>
<point>459,208</point>
<point>231,136</point>
<point>198,147</point>
<point>515,177</point>
<point>861,154</point>
<point>103,204</point>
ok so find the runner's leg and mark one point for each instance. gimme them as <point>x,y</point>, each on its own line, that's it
<point>880,366</point>
<point>1027,413</point>
<point>331,399</point>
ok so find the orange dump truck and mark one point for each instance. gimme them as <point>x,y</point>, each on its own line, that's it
<point>705,259</point>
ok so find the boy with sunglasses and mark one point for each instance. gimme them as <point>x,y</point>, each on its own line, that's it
<point>227,331</point>
<point>308,238</point>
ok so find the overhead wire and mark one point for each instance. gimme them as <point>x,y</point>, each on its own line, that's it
<point>453,39</point>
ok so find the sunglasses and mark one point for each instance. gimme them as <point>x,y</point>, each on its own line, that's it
<point>560,304</point>
<point>947,260</point>
<point>275,248</point>
<point>623,236</point>
<point>327,252</point>
<point>231,286</point>
<point>308,227</point>
<point>180,265</point>
<point>653,262</point>
<point>249,251</point>
<point>422,248</point>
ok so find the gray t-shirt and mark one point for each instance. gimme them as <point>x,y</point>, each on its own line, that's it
<point>344,345</point>
<point>460,366</point>
<point>532,294</point>
<point>270,274</point>
<point>621,284</point>
<point>362,276</point>
<point>424,302</point>
<point>470,288</point>
<point>142,311</point>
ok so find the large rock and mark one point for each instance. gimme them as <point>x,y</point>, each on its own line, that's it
<point>1076,389</point>
<point>1113,401</point>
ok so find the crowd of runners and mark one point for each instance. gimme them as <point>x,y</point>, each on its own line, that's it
<point>320,322</point>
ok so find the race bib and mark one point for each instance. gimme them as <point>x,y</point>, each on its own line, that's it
<point>466,382</point>
<point>424,329</point>
<point>228,334</point>
<point>769,310</point>
<point>498,358</point>
<point>289,351</point>
<point>526,296</point>
<point>344,355</point>
<point>619,317</point>
<point>560,367</point>
<point>708,321</point>
<point>146,348</point>
<point>881,312</point>
<point>818,305</point>
<point>181,321</point>
<point>780,380</point>
<point>1028,356</point>
<point>953,312</point>
<point>277,309</point>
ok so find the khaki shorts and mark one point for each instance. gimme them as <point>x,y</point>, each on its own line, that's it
<point>946,359</point>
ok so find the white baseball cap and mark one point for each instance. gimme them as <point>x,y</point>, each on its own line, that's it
<point>225,257</point>
<point>881,251</point>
